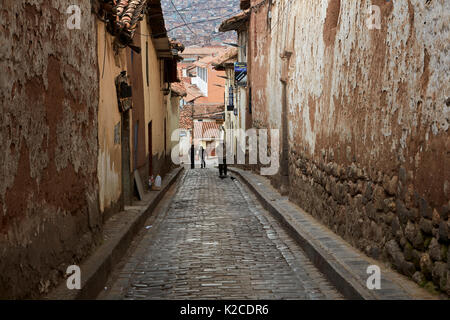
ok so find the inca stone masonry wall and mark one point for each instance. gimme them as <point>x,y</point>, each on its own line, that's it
<point>368,118</point>
<point>49,215</point>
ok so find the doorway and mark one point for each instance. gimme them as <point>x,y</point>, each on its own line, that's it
<point>211,149</point>
<point>150,150</point>
<point>126,166</point>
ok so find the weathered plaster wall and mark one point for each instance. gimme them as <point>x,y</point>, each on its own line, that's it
<point>111,63</point>
<point>135,76</point>
<point>48,133</point>
<point>368,121</point>
<point>215,86</point>
<point>155,104</point>
<point>173,116</point>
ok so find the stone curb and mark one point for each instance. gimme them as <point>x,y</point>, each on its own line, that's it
<point>339,273</point>
<point>124,226</point>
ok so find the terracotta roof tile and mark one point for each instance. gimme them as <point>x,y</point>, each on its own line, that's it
<point>229,56</point>
<point>207,130</point>
<point>236,22</point>
<point>179,89</point>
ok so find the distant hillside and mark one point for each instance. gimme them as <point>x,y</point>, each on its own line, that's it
<point>203,18</point>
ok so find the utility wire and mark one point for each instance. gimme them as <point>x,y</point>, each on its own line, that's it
<point>186,24</point>
<point>182,17</point>
<point>188,9</point>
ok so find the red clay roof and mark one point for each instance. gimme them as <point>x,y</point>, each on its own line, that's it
<point>235,23</point>
<point>209,111</point>
<point>203,51</point>
<point>193,93</point>
<point>204,62</point>
<point>206,130</point>
<point>179,89</point>
<point>186,117</point>
<point>228,57</point>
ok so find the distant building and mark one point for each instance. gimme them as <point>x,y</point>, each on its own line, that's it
<point>203,110</point>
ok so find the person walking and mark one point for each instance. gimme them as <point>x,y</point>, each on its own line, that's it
<point>222,154</point>
<point>202,157</point>
<point>192,157</point>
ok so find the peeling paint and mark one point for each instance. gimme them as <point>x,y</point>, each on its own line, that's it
<point>48,131</point>
<point>362,105</point>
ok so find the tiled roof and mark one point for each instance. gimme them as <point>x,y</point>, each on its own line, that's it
<point>186,117</point>
<point>123,17</point>
<point>229,56</point>
<point>179,89</point>
<point>193,93</point>
<point>202,51</point>
<point>207,130</point>
<point>209,111</point>
<point>235,23</point>
<point>204,62</point>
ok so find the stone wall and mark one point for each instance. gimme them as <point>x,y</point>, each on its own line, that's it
<point>49,215</point>
<point>368,119</point>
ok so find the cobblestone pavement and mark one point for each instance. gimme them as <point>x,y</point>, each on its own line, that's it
<point>215,241</point>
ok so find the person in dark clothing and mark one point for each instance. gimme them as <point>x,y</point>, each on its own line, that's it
<point>202,157</point>
<point>222,154</point>
<point>192,157</point>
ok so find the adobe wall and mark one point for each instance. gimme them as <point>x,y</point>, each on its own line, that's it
<point>49,215</point>
<point>368,118</point>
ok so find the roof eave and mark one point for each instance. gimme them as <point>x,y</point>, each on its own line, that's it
<point>235,23</point>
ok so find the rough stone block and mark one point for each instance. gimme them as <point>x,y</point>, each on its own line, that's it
<point>424,209</point>
<point>443,231</point>
<point>419,278</point>
<point>395,253</point>
<point>426,265</point>
<point>426,225</point>
<point>368,193</point>
<point>392,186</point>
<point>410,231</point>
<point>439,275</point>
<point>413,214</point>
<point>408,268</point>
<point>402,212</point>
<point>435,250</point>
<point>378,197</point>
<point>444,212</point>
<point>408,252</point>
<point>436,219</point>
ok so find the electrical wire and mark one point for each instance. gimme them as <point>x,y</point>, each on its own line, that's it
<point>182,17</point>
<point>184,25</point>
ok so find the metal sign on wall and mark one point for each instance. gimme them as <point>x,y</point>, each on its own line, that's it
<point>240,73</point>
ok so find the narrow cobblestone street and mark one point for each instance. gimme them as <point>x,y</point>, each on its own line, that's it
<point>213,240</point>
